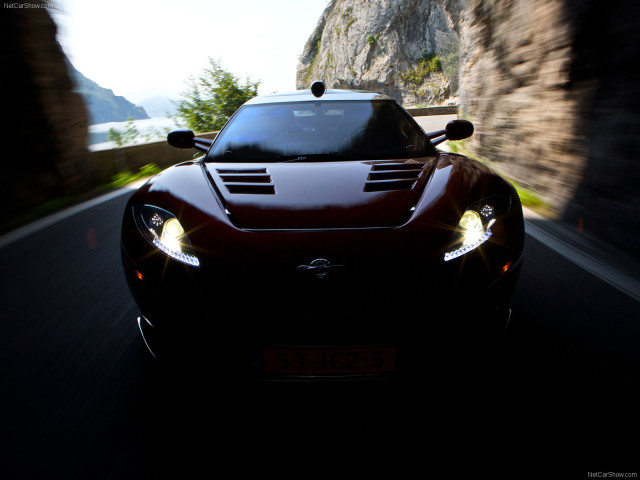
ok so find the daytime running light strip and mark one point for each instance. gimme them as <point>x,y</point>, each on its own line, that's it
<point>467,248</point>
<point>183,257</point>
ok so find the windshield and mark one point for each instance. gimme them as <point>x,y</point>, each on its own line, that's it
<point>377,129</point>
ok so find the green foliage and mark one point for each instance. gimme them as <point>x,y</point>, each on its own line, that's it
<point>155,133</point>
<point>528,197</point>
<point>123,178</point>
<point>212,98</point>
<point>426,65</point>
<point>349,23</point>
<point>126,136</point>
<point>450,64</point>
<point>454,145</point>
<point>372,39</point>
<point>58,203</point>
<point>130,135</point>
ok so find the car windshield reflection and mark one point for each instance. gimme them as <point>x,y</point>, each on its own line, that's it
<point>317,131</point>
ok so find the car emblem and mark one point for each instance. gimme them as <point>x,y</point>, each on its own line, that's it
<point>320,267</point>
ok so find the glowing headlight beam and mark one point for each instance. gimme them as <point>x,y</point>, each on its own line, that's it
<point>472,232</point>
<point>166,233</point>
<point>172,233</point>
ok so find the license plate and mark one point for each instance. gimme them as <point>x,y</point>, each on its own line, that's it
<point>327,360</point>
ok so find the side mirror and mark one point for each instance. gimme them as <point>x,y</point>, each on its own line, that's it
<point>459,129</point>
<point>455,130</point>
<point>185,138</point>
<point>181,138</point>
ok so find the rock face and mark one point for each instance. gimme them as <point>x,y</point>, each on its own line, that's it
<point>557,106</point>
<point>381,47</point>
<point>550,86</point>
<point>44,151</point>
<point>515,87</point>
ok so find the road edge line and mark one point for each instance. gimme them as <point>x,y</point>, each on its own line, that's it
<point>622,282</point>
<point>42,223</point>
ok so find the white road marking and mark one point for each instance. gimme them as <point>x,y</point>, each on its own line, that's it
<point>603,271</point>
<point>47,221</point>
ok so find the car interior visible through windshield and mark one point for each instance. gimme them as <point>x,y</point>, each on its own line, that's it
<point>377,129</point>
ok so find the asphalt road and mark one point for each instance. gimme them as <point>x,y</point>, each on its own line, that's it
<point>79,398</point>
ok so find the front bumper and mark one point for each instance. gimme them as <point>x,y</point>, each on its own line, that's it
<point>439,330</point>
<point>434,313</point>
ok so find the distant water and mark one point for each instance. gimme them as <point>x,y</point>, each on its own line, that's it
<point>154,128</point>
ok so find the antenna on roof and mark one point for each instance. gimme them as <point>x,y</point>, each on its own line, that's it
<point>318,89</point>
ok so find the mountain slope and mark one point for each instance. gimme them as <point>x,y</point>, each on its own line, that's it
<point>102,105</point>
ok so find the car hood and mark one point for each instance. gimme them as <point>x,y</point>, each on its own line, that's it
<point>320,195</point>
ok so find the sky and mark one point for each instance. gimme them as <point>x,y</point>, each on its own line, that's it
<point>145,48</point>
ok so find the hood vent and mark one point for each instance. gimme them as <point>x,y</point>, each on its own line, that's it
<point>252,181</point>
<point>386,177</point>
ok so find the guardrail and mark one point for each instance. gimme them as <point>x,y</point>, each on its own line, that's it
<point>104,164</point>
<point>427,111</point>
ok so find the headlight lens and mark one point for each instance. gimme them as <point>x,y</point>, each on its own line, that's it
<point>165,232</point>
<point>471,228</point>
<point>474,227</point>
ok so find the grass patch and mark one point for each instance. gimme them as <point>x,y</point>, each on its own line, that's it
<point>46,208</point>
<point>456,146</point>
<point>59,203</point>
<point>124,178</point>
<point>427,64</point>
<point>529,198</point>
<point>349,23</point>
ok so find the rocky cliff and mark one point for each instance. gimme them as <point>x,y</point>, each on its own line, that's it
<point>403,48</point>
<point>515,87</point>
<point>552,90</point>
<point>550,86</point>
<point>44,151</point>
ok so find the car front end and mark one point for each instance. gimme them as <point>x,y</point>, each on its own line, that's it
<point>323,267</point>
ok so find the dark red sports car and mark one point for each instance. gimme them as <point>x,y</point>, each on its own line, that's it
<point>323,236</point>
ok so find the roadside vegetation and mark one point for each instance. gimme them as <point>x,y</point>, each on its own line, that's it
<point>528,197</point>
<point>117,181</point>
<point>130,135</point>
<point>124,178</point>
<point>127,136</point>
<point>210,100</point>
<point>427,64</point>
<point>206,106</point>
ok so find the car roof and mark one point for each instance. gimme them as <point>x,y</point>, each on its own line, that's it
<point>307,96</point>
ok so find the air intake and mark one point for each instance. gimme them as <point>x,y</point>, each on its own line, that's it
<point>253,181</point>
<point>386,177</point>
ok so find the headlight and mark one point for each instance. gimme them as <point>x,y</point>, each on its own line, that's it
<point>474,227</point>
<point>165,232</point>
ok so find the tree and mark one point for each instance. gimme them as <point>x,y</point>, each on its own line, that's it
<point>128,136</point>
<point>212,98</point>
